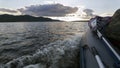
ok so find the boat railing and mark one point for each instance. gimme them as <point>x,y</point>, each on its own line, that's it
<point>112,51</point>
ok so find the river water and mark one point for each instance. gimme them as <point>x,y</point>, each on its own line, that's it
<point>19,39</point>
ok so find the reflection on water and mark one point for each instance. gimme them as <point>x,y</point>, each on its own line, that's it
<point>19,39</point>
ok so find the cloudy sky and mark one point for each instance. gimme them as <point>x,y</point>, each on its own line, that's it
<point>60,9</point>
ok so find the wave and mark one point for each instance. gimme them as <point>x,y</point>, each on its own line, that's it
<point>59,54</point>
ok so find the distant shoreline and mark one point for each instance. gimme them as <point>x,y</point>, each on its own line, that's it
<point>81,21</point>
<point>28,18</point>
<point>24,18</point>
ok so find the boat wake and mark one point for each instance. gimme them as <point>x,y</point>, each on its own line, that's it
<point>59,54</point>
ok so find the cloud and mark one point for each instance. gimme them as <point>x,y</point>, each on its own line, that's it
<point>8,10</point>
<point>89,12</point>
<point>106,14</point>
<point>48,2</point>
<point>48,10</point>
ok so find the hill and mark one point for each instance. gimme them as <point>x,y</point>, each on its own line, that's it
<point>23,18</point>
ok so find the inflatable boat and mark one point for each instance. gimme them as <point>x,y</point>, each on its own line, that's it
<point>96,50</point>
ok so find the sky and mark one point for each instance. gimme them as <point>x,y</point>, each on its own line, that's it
<point>60,9</point>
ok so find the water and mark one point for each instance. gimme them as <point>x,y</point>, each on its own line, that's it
<point>34,40</point>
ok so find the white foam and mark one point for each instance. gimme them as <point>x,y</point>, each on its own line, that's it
<point>52,55</point>
<point>35,66</point>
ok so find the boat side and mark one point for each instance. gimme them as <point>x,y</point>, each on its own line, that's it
<point>92,41</point>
